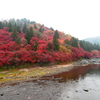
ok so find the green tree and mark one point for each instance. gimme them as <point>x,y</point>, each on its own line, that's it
<point>18,40</point>
<point>5,23</point>
<point>56,44</point>
<point>49,46</point>
<point>56,35</point>
<point>51,28</point>
<point>12,21</point>
<point>29,34</point>
<point>10,29</point>
<point>24,28</point>
<point>1,25</point>
<point>35,26</point>
<point>67,42</point>
<point>74,42</point>
<point>55,41</point>
<point>35,46</point>
<point>41,29</point>
<point>32,22</point>
<point>18,29</point>
<point>14,34</point>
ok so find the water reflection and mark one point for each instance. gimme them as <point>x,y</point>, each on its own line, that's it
<point>77,72</point>
<point>81,83</point>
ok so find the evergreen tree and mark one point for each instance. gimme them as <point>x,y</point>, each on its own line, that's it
<point>51,28</point>
<point>24,20</point>
<point>29,34</point>
<point>12,21</point>
<point>10,29</point>
<point>14,34</point>
<point>15,25</point>
<point>18,22</point>
<point>49,46</point>
<point>18,40</point>
<point>35,46</point>
<point>32,22</point>
<point>67,42</point>
<point>24,28</point>
<point>41,29</point>
<point>55,41</point>
<point>1,25</point>
<point>74,42</point>
<point>35,26</point>
<point>18,29</point>
<point>56,44</point>
<point>56,34</point>
<point>5,23</point>
<point>89,46</point>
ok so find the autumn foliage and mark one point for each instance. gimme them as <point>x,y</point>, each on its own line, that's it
<point>39,49</point>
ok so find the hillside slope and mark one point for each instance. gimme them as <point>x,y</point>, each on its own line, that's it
<point>24,41</point>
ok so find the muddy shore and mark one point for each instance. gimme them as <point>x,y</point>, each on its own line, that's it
<point>36,89</point>
<point>46,71</point>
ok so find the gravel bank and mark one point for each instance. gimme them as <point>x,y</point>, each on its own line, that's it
<point>48,70</point>
<point>41,89</point>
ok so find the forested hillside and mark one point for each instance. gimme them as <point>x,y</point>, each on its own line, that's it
<point>24,41</point>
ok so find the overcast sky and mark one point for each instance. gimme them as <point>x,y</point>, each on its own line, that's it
<point>79,18</point>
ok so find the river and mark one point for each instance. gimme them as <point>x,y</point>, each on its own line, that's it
<point>81,83</point>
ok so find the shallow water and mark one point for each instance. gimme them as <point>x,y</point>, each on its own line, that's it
<point>85,86</point>
<point>81,83</point>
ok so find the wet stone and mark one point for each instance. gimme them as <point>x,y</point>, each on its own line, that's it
<point>18,93</point>
<point>1,94</point>
<point>86,90</point>
<point>76,91</point>
<point>67,96</point>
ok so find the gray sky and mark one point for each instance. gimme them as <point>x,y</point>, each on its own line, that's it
<point>80,18</point>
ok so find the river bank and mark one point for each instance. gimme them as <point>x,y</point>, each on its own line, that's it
<point>73,81</point>
<point>34,73</point>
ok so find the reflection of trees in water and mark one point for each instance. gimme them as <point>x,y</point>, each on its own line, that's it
<point>76,72</point>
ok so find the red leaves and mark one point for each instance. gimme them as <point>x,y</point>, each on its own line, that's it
<point>79,53</point>
<point>4,58</point>
<point>13,46</point>
<point>16,57</point>
<point>95,53</point>
<point>33,40</point>
<point>61,57</point>
<point>44,57</point>
<point>87,54</point>
<point>76,53</point>
<point>5,38</point>
<point>39,50</point>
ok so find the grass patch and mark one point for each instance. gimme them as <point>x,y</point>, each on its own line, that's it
<point>27,71</point>
<point>16,74</point>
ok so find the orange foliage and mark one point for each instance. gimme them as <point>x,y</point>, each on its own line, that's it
<point>48,32</point>
<point>65,50</point>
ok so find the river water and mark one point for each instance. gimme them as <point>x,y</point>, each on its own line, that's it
<point>81,83</point>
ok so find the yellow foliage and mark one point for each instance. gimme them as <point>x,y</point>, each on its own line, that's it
<point>65,49</point>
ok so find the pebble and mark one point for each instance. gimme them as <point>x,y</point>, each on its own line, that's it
<point>86,90</point>
<point>1,94</point>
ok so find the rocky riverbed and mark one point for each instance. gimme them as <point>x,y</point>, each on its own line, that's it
<point>49,89</point>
